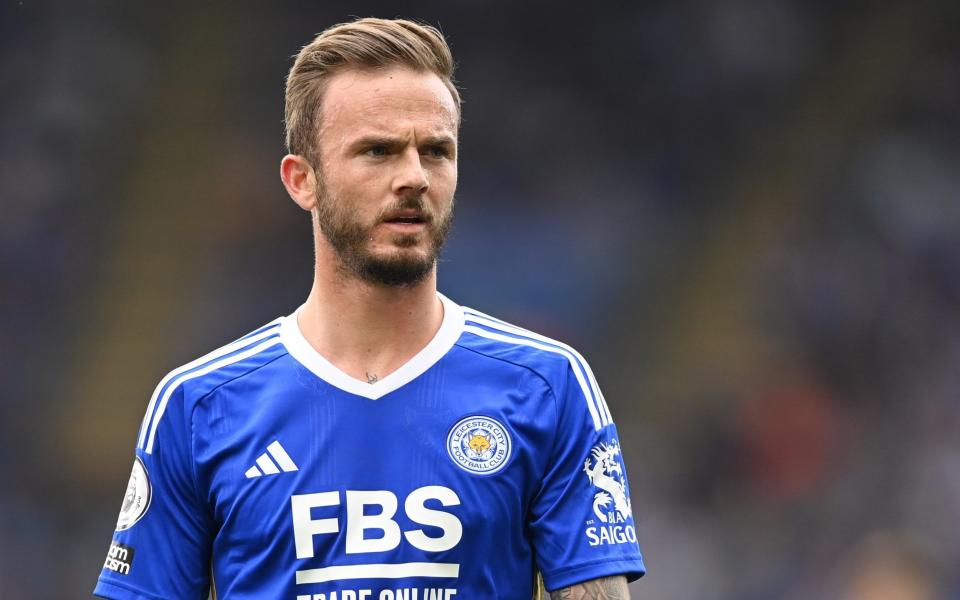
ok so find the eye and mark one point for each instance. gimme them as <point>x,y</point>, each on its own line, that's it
<point>437,152</point>
<point>376,151</point>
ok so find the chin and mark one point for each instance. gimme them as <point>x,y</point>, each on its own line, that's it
<point>409,240</point>
<point>406,245</point>
<point>407,256</point>
<point>397,270</point>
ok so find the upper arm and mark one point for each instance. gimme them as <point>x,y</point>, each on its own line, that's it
<point>605,588</point>
<point>581,519</point>
<point>161,546</point>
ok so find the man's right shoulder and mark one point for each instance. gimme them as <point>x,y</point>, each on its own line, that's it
<point>192,381</point>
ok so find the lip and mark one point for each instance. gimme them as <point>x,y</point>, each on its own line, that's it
<point>404,227</point>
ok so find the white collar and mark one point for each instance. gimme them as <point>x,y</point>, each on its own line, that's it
<point>300,349</point>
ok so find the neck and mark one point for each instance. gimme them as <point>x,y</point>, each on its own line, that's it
<point>368,330</point>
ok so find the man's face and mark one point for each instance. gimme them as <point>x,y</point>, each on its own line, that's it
<point>386,172</point>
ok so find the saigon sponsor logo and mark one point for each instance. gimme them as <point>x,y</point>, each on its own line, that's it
<point>611,504</point>
<point>119,558</point>
<point>137,499</point>
<point>479,444</point>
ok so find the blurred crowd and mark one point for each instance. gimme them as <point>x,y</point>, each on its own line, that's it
<point>745,213</point>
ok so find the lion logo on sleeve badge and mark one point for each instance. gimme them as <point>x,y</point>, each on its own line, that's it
<point>136,501</point>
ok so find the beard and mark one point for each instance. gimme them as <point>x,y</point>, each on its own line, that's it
<point>349,239</point>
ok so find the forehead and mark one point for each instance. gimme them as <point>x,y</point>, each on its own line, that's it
<point>386,100</point>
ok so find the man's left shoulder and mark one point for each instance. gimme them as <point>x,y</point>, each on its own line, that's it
<point>563,368</point>
<point>494,337</point>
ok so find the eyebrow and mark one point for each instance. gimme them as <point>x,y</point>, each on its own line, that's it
<point>439,140</point>
<point>392,142</point>
<point>375,140</point>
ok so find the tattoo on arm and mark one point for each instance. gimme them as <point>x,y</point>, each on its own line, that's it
<point>605,588</point>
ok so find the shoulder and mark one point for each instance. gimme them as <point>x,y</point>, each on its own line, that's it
<point>184,386</point>
<point>561,366</point>
<point>496,338</point>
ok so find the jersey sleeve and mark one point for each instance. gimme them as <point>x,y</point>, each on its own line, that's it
<point>161,546</point>
<point>581,519</point>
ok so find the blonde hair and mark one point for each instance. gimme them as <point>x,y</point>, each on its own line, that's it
<point>364,44</point>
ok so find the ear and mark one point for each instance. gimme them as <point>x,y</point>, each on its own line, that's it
<point>300,180</point>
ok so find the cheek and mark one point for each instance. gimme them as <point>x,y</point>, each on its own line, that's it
<point>352,187</point>
<point>444,180</point>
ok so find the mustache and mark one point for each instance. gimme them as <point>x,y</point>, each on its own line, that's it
<point>408,207</point>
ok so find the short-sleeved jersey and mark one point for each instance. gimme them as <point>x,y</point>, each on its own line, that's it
<point>263,471</point>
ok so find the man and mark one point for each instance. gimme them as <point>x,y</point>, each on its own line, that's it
<point>381,442</point>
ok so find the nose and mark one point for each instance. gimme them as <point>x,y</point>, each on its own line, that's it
<point>411,177</point>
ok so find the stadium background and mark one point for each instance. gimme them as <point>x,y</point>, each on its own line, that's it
<point>746,213</point>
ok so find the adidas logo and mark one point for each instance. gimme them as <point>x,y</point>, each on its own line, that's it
<point>266,466</point>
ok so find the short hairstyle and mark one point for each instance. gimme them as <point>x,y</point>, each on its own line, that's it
<point>362,44</point>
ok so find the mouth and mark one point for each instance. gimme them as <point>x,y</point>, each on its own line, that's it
<point>407,219</point>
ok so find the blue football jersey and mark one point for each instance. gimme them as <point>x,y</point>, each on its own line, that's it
<point>263,471</point>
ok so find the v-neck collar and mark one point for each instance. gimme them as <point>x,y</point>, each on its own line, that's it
<point>300,349</point>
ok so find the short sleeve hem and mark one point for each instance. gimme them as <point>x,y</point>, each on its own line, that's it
<point>114,591</point>
<point>560,578</point>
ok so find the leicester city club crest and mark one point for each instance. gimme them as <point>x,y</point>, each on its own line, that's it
<point>479,444</point>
